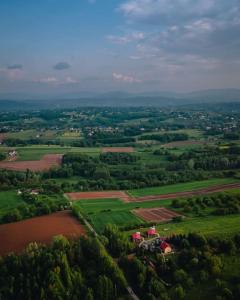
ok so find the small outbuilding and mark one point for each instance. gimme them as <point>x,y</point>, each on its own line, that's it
<point>165,247</point>
<point>152,232</point>
<point>136,237</point>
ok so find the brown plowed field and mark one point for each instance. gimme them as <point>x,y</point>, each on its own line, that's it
<point>184,143</point>
<point>118,149</point>
<point>212,189</point>
<point>45,163</point>
<point>14,237</point>
<point>98,195</point>
<point>160,214</point>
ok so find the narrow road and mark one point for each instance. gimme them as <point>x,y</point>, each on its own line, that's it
<point>89,226</point>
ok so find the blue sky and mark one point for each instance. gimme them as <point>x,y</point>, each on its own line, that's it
<point>71,46</point>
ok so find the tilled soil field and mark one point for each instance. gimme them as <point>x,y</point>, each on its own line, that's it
<point>45,163</point>
<point>160,214</point>
<point>14,237</point>
<point>98,195</point>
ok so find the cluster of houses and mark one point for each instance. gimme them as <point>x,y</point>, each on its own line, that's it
<point>153,242</point>
<point>33,192</point>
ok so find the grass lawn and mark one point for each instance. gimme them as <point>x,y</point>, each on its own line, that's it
<point>181,187</point>
<point>8,201</point>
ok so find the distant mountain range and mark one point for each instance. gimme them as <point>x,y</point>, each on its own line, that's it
<point>160,99</point>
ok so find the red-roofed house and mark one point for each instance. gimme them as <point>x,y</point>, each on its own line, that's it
<point>152,232</point>
<point>136,237</point>
<point>165,247</point>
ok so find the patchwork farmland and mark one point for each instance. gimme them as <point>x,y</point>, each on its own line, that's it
<point>127,197</point>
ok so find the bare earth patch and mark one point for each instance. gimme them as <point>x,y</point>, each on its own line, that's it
<point>45,163</point>
<point>14,237</point>
<point>118,149</point>
<point>98,195</point>
<point>160,214</point>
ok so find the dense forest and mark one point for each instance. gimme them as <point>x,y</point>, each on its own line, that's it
<point>79,269</point>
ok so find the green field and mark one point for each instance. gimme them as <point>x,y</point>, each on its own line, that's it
<point>181,187</point>
<point>119,218</point>
<point>98,205</point>
<point>8,201</point>
<point>36,152</point>
<point>23,135</point>
<point>209,226</point>
<point>103,211</point>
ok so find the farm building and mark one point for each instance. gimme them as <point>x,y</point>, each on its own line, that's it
<point>156,245</point>
<point>136,237</point>
<point>165,247</point>
<point>152,232</point>
<point>34,192</point>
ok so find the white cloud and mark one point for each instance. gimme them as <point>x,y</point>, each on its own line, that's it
<point>55,81</point>
<point>71,80</point>
<point>125,78</point>
<point>161,11</point>
<point>12,73</point>
<point>133,37</point>
<point>49,80</point>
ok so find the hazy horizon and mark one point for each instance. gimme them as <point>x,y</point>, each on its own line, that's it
<point>65,47</point>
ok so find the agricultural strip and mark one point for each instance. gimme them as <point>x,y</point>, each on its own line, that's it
<point>196,191</point>
<point>118,149</point>
<point>36,152</point>
<point>97,195</point>
<point>160,214</point>
<point>182,187</point>
<point>14,237</point>
<point>47,162</point>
